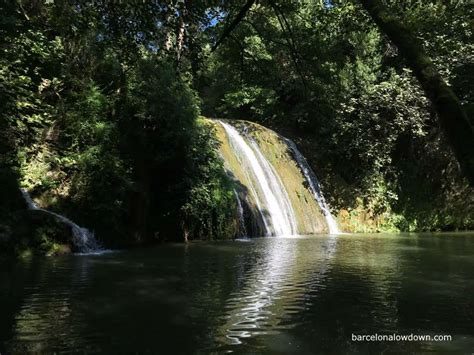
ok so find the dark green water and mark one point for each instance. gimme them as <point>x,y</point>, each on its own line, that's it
<point>272,295</point>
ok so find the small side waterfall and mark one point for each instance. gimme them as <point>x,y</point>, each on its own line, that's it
<point>83,239</point>
<point>267,190</point>
<point>314,186</point>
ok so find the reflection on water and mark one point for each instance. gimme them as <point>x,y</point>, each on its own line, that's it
<point>278,295</point>
<point>275,288</point>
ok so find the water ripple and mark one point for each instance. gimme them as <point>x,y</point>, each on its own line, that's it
<point>274,295</point>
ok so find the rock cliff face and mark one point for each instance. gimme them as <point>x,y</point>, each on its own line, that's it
<point>269,146</point>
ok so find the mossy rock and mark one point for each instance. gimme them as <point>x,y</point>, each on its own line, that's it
<point>308,214</point>
<point>36,232</point>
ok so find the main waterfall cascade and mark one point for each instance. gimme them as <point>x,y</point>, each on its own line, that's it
<point>83,239</point>
<point>314,186</point>
<point>278,216</point>
<point>276,183</point>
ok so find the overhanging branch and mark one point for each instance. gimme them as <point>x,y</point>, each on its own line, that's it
<point>228,30</point>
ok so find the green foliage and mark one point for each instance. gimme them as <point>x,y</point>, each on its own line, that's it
<point>448,36</point>
<point>28,67</point>
<point>210,207</point>
<point>99,111</point>
<point>336,83</point>
<point>189,193</point>
<point>373,124</point>
<point>164,106</point>
<point>103,129</point>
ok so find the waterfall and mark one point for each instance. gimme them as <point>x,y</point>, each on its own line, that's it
<point>277,186</point>
<point>265,186</point>
<point>83,239</point>
<point>314,186</point>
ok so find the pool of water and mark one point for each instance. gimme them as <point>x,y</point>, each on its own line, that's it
<point>306,294</point>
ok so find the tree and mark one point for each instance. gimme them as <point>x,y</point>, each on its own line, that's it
<point>366,123</point>
<point>456,125</point>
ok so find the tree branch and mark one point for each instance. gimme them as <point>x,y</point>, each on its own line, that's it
<point>291,44</point>
<point>227,31</point>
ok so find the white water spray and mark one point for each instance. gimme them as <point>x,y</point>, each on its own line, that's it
<point>267,189</point>
<point>83,239</point>
<point>314,186</point>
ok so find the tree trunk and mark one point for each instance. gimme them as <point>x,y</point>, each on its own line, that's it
<point>453,119</point>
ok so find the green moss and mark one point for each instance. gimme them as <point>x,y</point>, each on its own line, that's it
<point>307,211</point>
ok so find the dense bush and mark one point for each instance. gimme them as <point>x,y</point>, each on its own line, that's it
<point>104,130</point>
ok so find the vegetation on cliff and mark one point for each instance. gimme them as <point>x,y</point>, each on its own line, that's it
<point>99,107</point>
